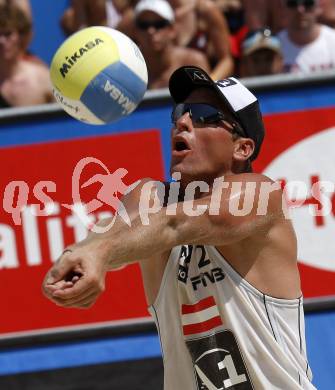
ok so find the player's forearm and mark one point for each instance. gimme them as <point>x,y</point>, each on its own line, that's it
<point>139,242</point>
<point>205,221</point>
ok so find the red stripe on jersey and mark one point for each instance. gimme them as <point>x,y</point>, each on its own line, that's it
<point>202,326</point>
<point>201,305</point>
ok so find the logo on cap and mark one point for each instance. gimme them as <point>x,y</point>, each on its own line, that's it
<point>197,75</point>
<point>225,83</point>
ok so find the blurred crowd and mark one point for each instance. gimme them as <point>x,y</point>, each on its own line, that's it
<point>243,38</point>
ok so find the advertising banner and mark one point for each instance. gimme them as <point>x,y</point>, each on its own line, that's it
<point>298,152</point>
<point>40,177</point>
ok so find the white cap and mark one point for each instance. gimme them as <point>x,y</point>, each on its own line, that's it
<point>159,7</point>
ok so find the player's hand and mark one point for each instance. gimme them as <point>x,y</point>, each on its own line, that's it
<point>77,278</point>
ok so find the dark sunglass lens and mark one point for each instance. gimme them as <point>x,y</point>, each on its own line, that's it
<point>178,111</point>
<point>145,25</point>
<point>141,25</point>
<point>296,3</point>
<point>160,24</point>
<point>309,3</point>
<point>292,3</point>
<point>203,113</point>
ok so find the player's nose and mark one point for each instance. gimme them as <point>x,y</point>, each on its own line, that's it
<point>184,123</point>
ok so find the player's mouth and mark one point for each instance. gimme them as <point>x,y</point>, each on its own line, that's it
<point>180,147</point>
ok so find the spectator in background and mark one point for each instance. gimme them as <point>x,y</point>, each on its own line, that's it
<point>261,54</point>
<point>22,82</point>
<point>84,13</point>
<point>156,36</point>
<point>202,26</point>
<point>115,9</point>
<point>264,13</point>
<point>234,13</point>
<point>327,12</point>
<point>24,5</point>
<point>307,45</point>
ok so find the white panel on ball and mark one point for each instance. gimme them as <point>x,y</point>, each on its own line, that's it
<point>129,57</point>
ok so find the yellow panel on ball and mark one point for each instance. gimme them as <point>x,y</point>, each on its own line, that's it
<point>80,59</point>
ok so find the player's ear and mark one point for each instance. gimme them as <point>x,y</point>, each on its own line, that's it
<point>243,149</point>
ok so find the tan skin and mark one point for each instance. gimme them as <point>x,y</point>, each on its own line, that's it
<point>190,15</point>
<point>206,15</point>
<point>84,13</point>
<point>327,15</point>
<point>265,13</point>
<point>161,53</point>
<point>260,248</point>
<point>22,82</point>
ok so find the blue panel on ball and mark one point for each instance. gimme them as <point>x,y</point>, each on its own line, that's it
<point>113,93</point>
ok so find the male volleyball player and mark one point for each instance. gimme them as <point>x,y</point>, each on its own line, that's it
<point>223,286</point>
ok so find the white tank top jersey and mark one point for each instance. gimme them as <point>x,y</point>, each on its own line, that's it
<point>219,332</point>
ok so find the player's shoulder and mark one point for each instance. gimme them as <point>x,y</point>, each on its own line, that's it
<point>259,186</point>
<point>251,177</point>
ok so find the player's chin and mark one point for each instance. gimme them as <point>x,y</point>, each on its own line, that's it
<point>177,166</point>
<point>187,171</point>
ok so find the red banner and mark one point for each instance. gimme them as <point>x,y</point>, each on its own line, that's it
<point>299,148</point>
<point>27,250</point>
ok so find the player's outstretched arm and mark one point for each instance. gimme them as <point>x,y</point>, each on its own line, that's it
<point>76,266</point>
<point>219,223</point>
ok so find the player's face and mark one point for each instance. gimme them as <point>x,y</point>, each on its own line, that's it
<point>202,151</point>
<point>10,46</point>
<point>153,32</point>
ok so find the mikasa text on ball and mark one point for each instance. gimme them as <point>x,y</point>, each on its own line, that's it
<point>99,75</point>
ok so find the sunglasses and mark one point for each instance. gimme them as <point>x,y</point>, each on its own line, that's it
<point>308,4</point>
<point>201,114</point>
<point>156,24</point>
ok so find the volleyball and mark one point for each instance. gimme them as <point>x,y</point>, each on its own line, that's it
<point>99,75</point>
